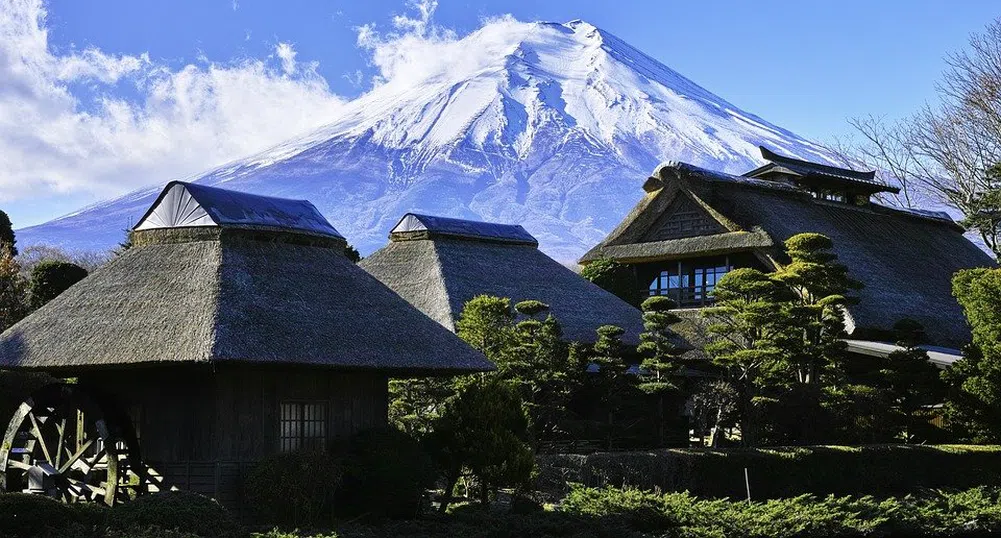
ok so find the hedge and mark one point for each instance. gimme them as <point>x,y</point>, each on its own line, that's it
<point>773,473</point>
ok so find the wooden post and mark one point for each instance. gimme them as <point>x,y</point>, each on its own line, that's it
<point>747,485</point>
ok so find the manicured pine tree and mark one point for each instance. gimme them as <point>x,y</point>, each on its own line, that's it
<point>815,313</point>
<point>661,355</point>
<point>487,324</point>
<point>612,379</point>
<point>748,318</point>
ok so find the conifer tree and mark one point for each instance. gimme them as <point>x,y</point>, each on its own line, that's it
<point>7,240</point>
<point>911,381</point>
<point>815,313</point>
<point>660,355</point>
<point>487,324</point>
<point>13,303</point>
<point>612,379</point>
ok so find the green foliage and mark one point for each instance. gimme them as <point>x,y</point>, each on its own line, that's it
<point>179,511</point>
<point>414,404</point>
<point>484,429</point>
<point>13,294</point>
<point>983,211</point>
<point>912,383</point>
<point>661,356</point>
<point>971,512</point>
<point>295,488</point>
<point>386,473</point>
<point>8,243</point>
<point>486,324</point>
<point>974,405</point>
<point>531,308</point>
<point>614,277</point>
<point>352,253</point>
<point>29,516</point>
<point>50,278</point>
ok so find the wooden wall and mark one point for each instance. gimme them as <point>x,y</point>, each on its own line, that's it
<point>201,428</point>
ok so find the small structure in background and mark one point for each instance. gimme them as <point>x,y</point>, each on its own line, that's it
<point>235,328</point>
<point>695,225</point>
<point>438,264</point>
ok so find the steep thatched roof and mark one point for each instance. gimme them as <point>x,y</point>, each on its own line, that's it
<point>214,294</point>
<point>906,259</point>
<point>438,272</point>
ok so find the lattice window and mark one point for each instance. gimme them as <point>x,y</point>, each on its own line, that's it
<point>683,218</point>
<point>303,426</point>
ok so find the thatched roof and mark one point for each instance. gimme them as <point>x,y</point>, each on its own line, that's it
<point>906,259</point>
<point>225,294</point>
<point>439,272</point>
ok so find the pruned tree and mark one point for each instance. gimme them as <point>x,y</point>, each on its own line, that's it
<point>661,357</point>
<point>487,324</point>
<point>814,324</point>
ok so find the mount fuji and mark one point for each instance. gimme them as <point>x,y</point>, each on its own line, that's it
<point>552,126</point>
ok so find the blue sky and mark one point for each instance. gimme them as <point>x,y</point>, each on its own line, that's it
<point>104,127</point>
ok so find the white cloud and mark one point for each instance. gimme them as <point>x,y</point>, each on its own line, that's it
<point>179,120</point>
<point>286,54</point>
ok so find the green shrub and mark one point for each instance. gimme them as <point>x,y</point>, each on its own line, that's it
<point>50,278</point>
<point>386,474</point>
<point>24,515</point>
<point>295,489</point>
<point>179,511</point>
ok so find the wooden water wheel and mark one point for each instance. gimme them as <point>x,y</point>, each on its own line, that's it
<point>72,444</point>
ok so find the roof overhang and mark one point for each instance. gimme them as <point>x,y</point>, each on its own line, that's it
<point>942,357</point>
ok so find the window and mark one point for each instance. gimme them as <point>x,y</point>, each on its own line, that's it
<point>690,283</point>
<point>303,425</point>
<point>832,196</point>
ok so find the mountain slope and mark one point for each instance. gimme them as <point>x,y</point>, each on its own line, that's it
<point>553,126</point>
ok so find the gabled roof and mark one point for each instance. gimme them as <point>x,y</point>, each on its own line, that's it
<point>415,226</point>
<point>806,169</point>
<point>184,205</point>
<point>906,259</point>
<point>218,294</point>
<point>439,273</point>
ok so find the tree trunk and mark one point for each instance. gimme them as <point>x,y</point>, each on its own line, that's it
<point>450,481</point>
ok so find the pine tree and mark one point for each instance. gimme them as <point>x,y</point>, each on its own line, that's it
<point>7,239</point>
<point>822,288</point>
<point>487,324</point>
<point>911,381</point>
<point>747,321</point>
<point>661,356</point>
<point>612,379</point>
<point>50,278</point>
<point>614,277</point>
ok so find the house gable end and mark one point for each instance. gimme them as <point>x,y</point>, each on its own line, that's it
<point>682,218</point>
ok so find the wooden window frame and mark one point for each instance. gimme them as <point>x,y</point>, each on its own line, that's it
<point>302,425</point>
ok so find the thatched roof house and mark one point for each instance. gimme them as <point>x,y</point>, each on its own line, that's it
<point>693,225</point>
<point>220,276</point>
<point>437,264</point>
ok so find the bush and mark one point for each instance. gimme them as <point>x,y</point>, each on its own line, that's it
<point>180,511</point>
<point>50,278</point>
<point>294,489</point>
<point>24,515</point>
<point>386,473</point>
<point>778,472</point>
<point>615,278</point>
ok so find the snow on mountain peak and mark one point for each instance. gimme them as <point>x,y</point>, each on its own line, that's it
<point>550,125</point>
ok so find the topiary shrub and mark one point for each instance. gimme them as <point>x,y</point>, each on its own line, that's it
<point>294,489</point>
<point>386,474</point>
<point>180,511</point>
<point>23,515</point>
<point>50,278</point>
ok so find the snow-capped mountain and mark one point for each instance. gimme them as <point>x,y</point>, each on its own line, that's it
<point>552,126</point>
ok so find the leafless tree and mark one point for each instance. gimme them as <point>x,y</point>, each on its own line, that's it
<point>949,150</point>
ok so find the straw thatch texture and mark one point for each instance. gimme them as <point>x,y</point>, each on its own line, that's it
<point>233,299</point>
<point>905,259</point>
<point>439,275</point>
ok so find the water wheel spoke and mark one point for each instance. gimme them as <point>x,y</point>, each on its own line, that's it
<point>38,436</point>
<point>19,465</point>
<point>76,456</point>
<point>61,428</point>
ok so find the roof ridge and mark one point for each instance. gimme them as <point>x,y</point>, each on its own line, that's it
<point>440,272</point>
